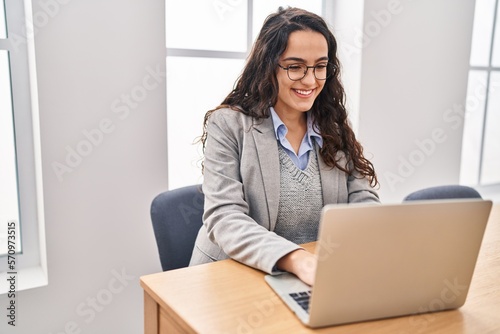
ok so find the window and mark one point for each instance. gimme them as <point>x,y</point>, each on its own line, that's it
<point>202,66</point>
<point>9,205</point>
<point>480,154</point>
<point>21,199</point>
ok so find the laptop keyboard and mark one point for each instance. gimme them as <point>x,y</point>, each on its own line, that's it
<point>302,298</point>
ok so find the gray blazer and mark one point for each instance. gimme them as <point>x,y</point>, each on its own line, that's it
<point>241,187</point>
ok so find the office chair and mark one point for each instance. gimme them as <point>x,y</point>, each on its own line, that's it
<point>177,216</point>
<point>443,192</point>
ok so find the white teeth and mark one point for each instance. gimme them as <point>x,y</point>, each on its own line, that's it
<point>303,92</point>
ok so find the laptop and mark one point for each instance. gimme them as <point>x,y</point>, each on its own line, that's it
<point>386,260</point>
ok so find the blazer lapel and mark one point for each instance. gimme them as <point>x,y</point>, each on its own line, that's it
<point>267,152</point>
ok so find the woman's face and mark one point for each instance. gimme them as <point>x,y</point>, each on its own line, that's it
<point>308,48</point>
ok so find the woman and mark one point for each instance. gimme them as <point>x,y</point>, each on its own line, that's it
<point>278,149</point>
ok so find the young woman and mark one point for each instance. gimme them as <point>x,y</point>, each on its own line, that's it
<point>279,148</point>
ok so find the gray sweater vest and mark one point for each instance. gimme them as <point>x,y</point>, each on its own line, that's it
<point>301,199</point>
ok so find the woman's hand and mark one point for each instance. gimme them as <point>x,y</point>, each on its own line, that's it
<point>301,263</point>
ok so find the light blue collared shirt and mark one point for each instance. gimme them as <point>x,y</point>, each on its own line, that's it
<point>280,130</point>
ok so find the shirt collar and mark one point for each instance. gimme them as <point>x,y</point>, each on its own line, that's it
<point>280,129</point>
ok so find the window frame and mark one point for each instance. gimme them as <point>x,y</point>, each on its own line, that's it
<point>492,188</point>
<point>31,262</point>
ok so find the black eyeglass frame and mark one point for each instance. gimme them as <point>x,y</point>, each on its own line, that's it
<point>329,70</point>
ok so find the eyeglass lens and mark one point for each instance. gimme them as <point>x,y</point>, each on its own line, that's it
<point>299,71</point>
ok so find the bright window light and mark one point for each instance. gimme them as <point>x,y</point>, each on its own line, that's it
<point>203,77</point>
<point>481,32</point>
<point>9,206</point>
<point>207,25</point>
<point>491,154</point>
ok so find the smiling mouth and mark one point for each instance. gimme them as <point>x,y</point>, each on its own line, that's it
<point>304,93</point>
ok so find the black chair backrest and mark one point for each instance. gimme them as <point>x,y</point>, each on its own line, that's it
<point>443,192</point>
<point>177,216</point>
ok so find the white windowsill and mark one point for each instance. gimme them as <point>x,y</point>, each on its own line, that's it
<point>27,278</point>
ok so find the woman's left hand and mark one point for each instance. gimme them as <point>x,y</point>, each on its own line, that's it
<point>301,263</point>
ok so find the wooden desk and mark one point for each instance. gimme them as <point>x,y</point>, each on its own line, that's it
<point>228,297</point>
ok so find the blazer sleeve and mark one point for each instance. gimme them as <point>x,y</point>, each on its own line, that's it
<point>359,190</point>
<point>226,216</point>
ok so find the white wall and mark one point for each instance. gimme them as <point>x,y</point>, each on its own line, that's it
<point>90,55</point>
<point>414,67</point>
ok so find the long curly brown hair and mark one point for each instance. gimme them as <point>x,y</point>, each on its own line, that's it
<point>257,89</point>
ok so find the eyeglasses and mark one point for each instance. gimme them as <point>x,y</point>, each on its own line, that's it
<point>297,72</point>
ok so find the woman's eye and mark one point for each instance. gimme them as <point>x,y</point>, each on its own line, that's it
<point>295,68</point>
